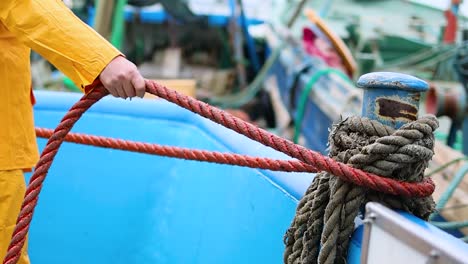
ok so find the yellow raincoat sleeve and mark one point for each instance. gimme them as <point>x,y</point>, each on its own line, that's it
<point>51,29</point>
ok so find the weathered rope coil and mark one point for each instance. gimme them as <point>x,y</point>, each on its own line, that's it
<point>324,221</point>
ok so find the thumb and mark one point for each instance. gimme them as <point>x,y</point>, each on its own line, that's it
<point>139,85</point>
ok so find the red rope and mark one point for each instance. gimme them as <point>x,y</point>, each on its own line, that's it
<point>315,160</point>
<point>184,153</point>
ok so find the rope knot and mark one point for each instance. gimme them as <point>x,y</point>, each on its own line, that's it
<point>325,215</point>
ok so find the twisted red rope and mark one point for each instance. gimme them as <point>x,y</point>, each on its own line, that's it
<point>313,159</point>
<point>184,153</point>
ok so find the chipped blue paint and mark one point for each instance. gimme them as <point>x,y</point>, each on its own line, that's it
<point>391,98</point>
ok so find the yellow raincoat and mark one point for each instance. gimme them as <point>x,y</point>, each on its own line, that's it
<point>51,29</point>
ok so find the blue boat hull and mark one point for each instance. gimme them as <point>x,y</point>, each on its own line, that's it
<point>107,206</point>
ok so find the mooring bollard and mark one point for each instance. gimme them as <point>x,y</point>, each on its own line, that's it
<point>391,98</point>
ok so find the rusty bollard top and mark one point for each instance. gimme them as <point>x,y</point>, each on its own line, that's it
<point>391,98</point>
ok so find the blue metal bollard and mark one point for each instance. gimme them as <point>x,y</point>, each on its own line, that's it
<point>391,98</point>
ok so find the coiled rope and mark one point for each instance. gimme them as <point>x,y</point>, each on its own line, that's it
<point>314,161</point>
<point>324,221</point>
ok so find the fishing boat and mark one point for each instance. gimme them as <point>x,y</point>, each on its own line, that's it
<point>411,36</point>
<point>114,206</point>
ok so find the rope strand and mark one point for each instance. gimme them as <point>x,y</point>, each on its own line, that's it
<point>184,153</point>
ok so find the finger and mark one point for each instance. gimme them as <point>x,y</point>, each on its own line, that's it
<point>121,92</point>
<point>139,85</point>
<point>128,89</point>
<point>112,91</point>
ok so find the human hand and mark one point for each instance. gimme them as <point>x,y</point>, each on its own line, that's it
<point>122,79</point>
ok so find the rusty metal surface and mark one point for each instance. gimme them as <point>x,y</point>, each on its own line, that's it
<point>394,109</point>
<point>391,98</point>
